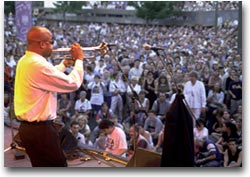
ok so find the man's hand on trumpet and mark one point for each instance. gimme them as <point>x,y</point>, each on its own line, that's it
<point>76,51</point>
<point>76,54</point>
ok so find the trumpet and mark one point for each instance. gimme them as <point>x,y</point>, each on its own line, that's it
<point>102,48</point>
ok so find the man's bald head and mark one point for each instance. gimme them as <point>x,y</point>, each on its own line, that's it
<point>38,33</point>
<point>40,41</point>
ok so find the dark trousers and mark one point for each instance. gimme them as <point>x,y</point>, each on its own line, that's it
<point>42,144</point>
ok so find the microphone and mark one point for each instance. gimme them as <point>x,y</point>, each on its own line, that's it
<point>149,47</point>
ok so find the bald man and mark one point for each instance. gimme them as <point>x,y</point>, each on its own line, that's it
<point>35,100</point>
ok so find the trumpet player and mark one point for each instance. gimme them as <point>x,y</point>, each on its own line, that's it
<point>35,100</point>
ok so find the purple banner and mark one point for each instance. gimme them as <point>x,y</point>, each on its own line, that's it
<point>23,18</point>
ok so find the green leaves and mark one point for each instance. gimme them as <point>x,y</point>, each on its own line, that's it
<point>69,6</point>
<point>155,9</point>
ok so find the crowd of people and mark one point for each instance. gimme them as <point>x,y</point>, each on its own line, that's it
<point>185,6</point>
<point>209,5</point>
<point>132,101</point>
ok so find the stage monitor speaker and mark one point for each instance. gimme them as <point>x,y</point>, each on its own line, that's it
<point>145,158</point>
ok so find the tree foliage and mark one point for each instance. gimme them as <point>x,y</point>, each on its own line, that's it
<point>151,10</point>
<point>9,6</point>
<point>69,6</point>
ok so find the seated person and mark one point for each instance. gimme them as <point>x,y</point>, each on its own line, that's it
<point>146,134</point>
<point>114,119</point>
<point>83,125</point>
<point>63,108</point>
<point>82,106</point>
<point>74,129</point>
<point>233,155</point>
<point>209,155</point>
<point>100,141</point>
<point>137,140</point>
<point>230,131</point>
<point>161,106</point>
<point>158,147</point>
<point>116,138</point>
<point>200,131</point>
<point>104,113</point>
<point>218,126</point>
<point>131,120</point>
<point>154,125</point>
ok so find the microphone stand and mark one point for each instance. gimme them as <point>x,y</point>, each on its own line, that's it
<point>174,80</point>
<point>135,133</point>
<point>13,144</point>
<point>134,97</point>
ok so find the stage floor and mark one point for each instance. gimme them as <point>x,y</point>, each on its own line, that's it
<point>10,161</point>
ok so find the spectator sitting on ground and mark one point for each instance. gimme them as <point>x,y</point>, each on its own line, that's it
<point>218,126</point>
<point>200,131</point>
<point>159,145</point>
<point>233,155</point>
<point>104,113</point>
<point>100,141</point>
<point>82,106</point>
<point>161,106</point>
<point>83,125</point>
<point>114,119</point>
<point>230,131</point>
<point>74,129</point>
<point>209,155</point>
<point>154,125</point>
<point>136,137</point>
